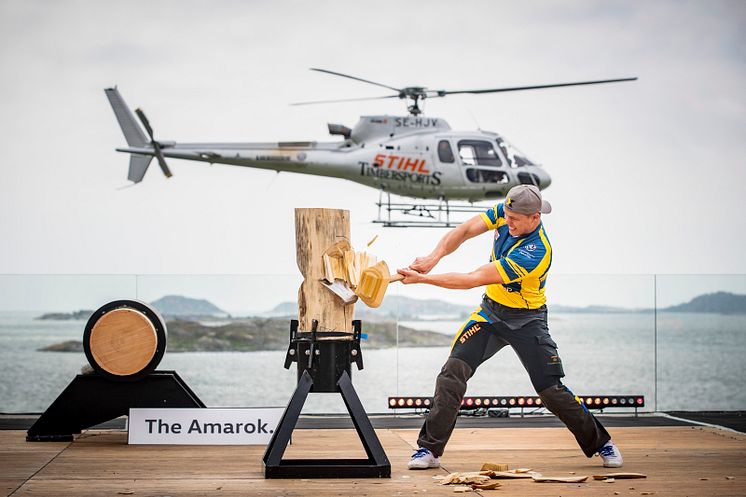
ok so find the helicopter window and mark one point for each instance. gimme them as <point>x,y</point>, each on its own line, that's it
<point>478,153</point>
<point>445,153</point>
<point>515,157</point>
<point>486,175</point>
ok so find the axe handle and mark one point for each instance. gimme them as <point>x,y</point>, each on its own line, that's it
<point>396,277</point>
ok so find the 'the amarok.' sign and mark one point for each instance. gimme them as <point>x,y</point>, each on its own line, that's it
<point>239,426</point>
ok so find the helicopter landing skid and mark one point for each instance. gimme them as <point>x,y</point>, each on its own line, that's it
<point>432,215</point>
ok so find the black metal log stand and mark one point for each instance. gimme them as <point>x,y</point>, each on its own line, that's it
<point>91,399</point>
<point>100,396</point>
<point>324,361</point>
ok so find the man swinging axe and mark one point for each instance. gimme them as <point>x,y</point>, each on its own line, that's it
<point>513,312</point>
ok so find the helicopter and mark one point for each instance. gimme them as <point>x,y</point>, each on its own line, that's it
<point>413,156</point>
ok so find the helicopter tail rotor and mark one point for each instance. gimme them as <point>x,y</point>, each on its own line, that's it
<point>135,137</point>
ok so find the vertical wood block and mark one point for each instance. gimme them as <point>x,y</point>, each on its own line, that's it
<point>315,231</point>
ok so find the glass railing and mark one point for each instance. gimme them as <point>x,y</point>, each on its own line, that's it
<point>676,339</point>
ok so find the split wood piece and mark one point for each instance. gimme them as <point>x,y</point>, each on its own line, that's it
<point>619,476</point>
<point>513,474</point>
<point>491,485</point>
<point>123,342</point>
<point>334,267</point>
<point>490,466</point>
<point>316,230</point>
<point>468,478</point>
<point>559,479</point>
<point>373,284</point>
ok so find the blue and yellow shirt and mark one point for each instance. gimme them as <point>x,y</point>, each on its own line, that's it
<point>523,263</point>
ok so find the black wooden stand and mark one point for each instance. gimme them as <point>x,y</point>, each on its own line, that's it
<point>91,399</point>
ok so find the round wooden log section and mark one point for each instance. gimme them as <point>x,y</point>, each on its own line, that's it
<point>315,231</point>
<point>125,340</point>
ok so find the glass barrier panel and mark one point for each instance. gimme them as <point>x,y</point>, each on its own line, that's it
<point>701,323</point>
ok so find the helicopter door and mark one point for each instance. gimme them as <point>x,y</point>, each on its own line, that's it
<point>481,162</point>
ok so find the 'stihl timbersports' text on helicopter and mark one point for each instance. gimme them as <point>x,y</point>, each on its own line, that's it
<point>413,156</point>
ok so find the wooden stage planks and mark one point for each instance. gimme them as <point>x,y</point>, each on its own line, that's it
<point>101,463</point>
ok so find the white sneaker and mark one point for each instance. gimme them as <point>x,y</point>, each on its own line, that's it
<point>423,459</point>
<point>611,455</point>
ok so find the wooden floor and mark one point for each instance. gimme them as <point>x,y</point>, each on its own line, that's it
<point>679,461</point>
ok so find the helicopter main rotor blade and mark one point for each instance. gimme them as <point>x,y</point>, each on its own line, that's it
<point>343,100</point>
<point>443,93</point>
<point>355,78</point>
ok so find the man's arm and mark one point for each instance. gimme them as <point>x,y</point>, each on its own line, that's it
<point>450,242</point>
<point>483,275</point>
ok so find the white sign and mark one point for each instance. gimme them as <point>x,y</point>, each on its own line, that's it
<point>207,426</point>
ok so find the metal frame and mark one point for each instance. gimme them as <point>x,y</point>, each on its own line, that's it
<point>92,399</point>
<point>435,215</point>
<point>377,464</point>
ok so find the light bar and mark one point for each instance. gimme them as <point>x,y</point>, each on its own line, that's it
<point>522,401</point>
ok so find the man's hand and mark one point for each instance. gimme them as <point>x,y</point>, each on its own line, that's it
<point>424,264</point>
<point>411,276</point>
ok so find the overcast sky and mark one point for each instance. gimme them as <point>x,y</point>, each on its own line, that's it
<point>648,176</point>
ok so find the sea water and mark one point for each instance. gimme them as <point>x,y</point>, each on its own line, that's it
<point>679,361</point>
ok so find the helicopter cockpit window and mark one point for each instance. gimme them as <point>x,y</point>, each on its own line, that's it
<point>478,153</point>
<point>515,157</point>
<point>480,160</point>
<point>445,153</point>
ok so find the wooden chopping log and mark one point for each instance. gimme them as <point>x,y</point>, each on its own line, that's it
<point>125,340</point>
<point>315,231</point>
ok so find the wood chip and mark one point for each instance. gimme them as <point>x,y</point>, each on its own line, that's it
<point>559,479</point>
<point>609,480</point>
<point>523,470</point>
<point>461,490</point>
<point>493,466</point>
<point>647,493</point>
<point>491,485</point>
<point>730,477</point>
<point>619,476</point>
<point>461,478</point>
<point>510,474</point>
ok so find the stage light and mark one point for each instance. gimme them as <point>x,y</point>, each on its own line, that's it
<point>525,401</point>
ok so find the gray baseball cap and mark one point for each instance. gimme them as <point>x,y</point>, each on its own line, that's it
<point>526,199</point>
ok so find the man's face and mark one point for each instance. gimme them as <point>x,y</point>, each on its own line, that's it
<point>521,224</point>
